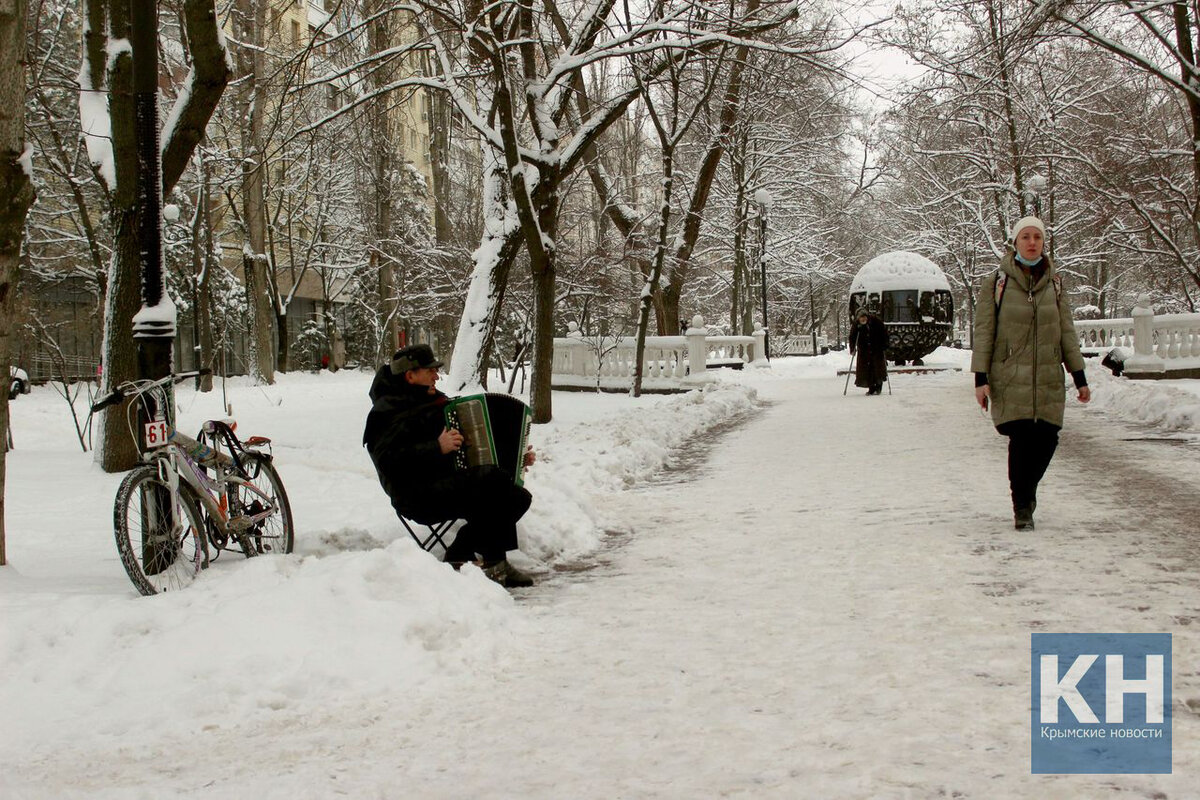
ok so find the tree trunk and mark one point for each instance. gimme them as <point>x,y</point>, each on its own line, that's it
<point>203,264</point>
<point>543,261</point>
<point>16,196</point>
<point>255,261</point>
<point>281,332</point>
<point>543,339</point>
<point>1183,40</point>
<point>737,298</point>
<point>730,111</point>
<point>660,254</point>
<point>440,128</point>
<point>116,450</point>
<point>498,249</point>
<point>1000,49</point>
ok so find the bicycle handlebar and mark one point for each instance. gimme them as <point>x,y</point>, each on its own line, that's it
<point>115,396</point>
<point>142,386</point>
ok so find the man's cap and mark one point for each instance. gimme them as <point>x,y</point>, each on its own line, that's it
<point>415,356</point>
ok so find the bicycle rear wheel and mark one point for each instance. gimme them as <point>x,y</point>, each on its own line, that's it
<point>160,535</point>
<point>274,535</point>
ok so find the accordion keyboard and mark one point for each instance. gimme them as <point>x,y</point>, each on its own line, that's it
<point>472,420</point>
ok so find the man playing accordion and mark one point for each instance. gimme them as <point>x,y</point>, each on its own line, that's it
<point>414,454</point>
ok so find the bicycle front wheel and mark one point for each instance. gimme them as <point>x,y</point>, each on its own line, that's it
<point>160,535</point>
<point>273,535</point>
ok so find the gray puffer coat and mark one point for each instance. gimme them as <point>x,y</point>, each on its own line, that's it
<point>1023,346</point>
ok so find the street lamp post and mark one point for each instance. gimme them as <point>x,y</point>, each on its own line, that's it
<point>763,199</point>
<point>154,324</point>
<point>1034,186</point>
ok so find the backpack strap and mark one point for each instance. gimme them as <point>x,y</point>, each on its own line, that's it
<point>1002,282</point>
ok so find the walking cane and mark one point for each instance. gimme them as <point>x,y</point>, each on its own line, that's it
<point>849,372</point>
<point>888,376</point>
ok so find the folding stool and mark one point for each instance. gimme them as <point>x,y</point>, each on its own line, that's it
<point>435,536</point>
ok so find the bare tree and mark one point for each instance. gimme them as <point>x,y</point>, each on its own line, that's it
<point>16,196</point>
<point>107,114</point>
<point>672,119</point>
<point>1160,40</point>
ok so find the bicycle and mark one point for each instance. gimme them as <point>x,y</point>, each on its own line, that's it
<point>172,518</point>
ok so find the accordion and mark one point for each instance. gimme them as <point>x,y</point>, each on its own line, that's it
<point>495,428</point>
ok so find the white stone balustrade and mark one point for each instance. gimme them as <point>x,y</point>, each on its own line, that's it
<point>669,363</point>
<point>1098,336</point>
<point>1161,345</point>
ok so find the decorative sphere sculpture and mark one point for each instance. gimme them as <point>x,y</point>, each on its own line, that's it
<point>911,295</point>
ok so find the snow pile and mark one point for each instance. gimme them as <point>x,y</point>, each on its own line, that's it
<point>276,634</point>
<point>899,270</point>
<point>1166,405</point>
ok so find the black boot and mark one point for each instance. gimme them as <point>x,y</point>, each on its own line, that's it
<point>1023,518</point>
<point>505,574</point>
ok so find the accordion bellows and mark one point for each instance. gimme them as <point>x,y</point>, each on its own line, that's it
<point>496,430</point>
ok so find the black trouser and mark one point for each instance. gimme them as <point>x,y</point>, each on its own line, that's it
<point>483,496</point>
<point>1031,445</point>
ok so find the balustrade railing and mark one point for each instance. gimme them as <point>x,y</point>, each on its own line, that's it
<point>1101,335</point>
<point>668,363</point>
<point>1156,345</point>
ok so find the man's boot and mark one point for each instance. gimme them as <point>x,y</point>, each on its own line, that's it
<point>505,574</point>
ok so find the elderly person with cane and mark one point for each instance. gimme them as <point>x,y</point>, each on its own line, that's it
<point>1023,336</point>
<point>869,340</point>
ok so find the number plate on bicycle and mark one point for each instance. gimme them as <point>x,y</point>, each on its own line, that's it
<point>156,433</point>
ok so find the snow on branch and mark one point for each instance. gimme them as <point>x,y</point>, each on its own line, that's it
<point>198,97</point>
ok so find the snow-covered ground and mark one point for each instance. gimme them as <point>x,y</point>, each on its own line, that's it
<point>765,589</point>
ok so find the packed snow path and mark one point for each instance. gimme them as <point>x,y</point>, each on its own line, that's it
<point>828,601</point>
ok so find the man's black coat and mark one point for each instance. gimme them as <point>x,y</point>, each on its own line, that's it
<point>401,438</point>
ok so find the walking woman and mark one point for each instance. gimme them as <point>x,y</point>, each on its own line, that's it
<point>869,338</point>
<point>1023,336</point>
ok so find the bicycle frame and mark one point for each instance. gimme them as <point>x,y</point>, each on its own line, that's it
<point>178,511</point>
<point>174,463</point>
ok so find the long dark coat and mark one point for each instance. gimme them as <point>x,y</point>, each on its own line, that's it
<point>401,438</point>
<point>870,342</point>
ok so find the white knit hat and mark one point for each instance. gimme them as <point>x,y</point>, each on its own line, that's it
<point>1027,222</point>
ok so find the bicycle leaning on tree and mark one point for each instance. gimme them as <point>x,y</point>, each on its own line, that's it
<point>189,500</point>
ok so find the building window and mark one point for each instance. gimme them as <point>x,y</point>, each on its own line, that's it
<point>296,33</point>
